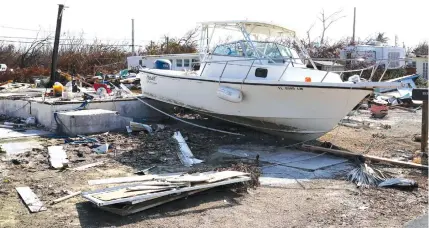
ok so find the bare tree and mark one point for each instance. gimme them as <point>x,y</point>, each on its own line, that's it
<point>32,52</point>
<point>308,33</point>
<point>327,21</point>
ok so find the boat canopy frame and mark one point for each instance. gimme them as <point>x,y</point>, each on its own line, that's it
<point>247,28</point>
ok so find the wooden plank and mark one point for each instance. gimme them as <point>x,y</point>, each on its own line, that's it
<point>118,180</point>
<point>30,199</point>
<point>80,168</point>
<point>57,157</point>
<point>123,193</point>
<point>189,178</point>
<point>131,209</point>
<point>370,157</point>
<point>66,197</point>
<point>219,176</point>
<point>143,187</point>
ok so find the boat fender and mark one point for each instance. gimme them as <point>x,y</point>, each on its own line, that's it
<point>229,94</point>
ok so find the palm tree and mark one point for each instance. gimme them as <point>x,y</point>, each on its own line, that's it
<point>381,38</point>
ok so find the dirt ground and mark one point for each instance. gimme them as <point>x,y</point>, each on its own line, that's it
<point>317,203</point>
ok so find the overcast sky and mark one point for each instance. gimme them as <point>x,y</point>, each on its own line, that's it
<point>111,20</point>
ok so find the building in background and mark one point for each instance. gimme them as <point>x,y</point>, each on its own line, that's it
<point>390,56</point>
<point>178,61</point>
<point>420,62</point>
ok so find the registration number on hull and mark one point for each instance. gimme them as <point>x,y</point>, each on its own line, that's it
<point>290,88</point>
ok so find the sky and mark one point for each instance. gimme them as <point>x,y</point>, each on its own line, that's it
<point>111,20</point>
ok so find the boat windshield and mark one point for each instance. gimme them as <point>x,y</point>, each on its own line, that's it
<point>278,53</point>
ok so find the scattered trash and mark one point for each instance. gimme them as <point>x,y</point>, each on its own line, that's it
<point>185,154</point>
<point>30,199</point>
<point>30,120</point>
<point>66,197</point>
<point>101,149</point>
<point>140,127</point>
<point>400,183</point>
<point>378,109</point>
<point>82,140</point>
<point>159,189</point>
<point>160,127</point>
<point>145,171</point>
<point>365,176</point>
<point>57,157</point>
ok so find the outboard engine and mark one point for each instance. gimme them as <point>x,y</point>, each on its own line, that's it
<point>162,64</point>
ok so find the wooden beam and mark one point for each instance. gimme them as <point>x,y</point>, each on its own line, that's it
<point>30,199</point>
<point>66,197</point>
<point>88,166</point>
<point>424,142</point>
<point>369,157</point>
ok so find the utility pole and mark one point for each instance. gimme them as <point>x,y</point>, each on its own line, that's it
<point>166,48</point>
<point>56,45</point>
<point>132,36</point>
<point>354,26</point>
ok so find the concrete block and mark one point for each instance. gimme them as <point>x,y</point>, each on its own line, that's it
<point>91,121</point>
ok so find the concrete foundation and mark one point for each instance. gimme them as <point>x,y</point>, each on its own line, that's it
<point>93,121</point>
<point>44,111</point>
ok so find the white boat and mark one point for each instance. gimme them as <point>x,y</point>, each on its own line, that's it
<point>263,85</point>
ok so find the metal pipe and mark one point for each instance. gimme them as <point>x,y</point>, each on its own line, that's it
<point>281,76</point>
<point>327,72</point>
<point>249,71</point>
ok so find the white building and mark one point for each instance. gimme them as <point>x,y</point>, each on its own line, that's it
<point>420,62</point>
<point>386,55</point>
<point>178,61</point>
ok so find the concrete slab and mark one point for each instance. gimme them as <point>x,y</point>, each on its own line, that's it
<point>91,121</point>
<point>420,222</point>
<point>290,166</point>
<point>13,148</point>
<point>7,134</point>
<point>287,157</point>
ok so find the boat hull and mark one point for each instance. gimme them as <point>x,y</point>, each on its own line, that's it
<point>296,112</point>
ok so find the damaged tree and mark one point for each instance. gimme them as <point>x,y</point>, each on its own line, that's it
<point>327,21</point>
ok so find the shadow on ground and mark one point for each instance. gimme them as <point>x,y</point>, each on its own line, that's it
<point>91,216</point>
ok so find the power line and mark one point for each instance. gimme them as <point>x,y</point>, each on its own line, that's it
<point>24,29</point>
<point>65,44</point>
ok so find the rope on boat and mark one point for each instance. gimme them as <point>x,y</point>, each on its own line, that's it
<point>184,121</point>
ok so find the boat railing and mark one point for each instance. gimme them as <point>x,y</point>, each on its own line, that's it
<point>290,61</point>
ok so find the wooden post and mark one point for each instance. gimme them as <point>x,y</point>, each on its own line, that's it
<point>422,95</point>
<point>424,141</point>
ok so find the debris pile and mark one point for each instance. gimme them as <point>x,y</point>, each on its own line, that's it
<point>153,190</point>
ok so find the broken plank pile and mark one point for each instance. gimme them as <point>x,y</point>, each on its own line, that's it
<point>154,190</point>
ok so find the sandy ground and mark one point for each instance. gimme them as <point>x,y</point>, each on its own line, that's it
<point>318,203</point>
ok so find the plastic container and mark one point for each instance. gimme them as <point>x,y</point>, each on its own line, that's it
<point>58,88</point>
